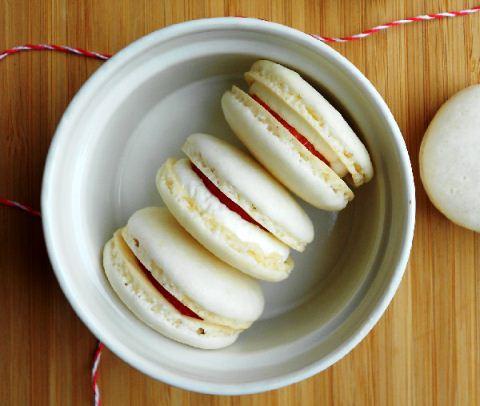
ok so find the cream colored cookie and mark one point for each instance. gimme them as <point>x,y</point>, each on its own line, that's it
<point>234,208</point>
<point>301,106</point>
<point>282,154</point>
<point>450,159</point>
<point>177,287</point>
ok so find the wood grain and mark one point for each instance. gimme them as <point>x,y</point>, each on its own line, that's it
<point>425,350</point>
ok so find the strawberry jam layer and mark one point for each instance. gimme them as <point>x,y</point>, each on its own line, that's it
<point>307,144</point>
<point>179,306</point>
<point>214,190</point>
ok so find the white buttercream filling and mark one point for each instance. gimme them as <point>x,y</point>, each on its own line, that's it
<point>207,202</point>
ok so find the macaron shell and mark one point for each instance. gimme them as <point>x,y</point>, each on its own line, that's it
<point>205,280</point>
<point>143,300</point>
<point>219,241</point>
<point>320,114</point>
<point>282,154</point>
<point>450,159</point>
<point>247,183</point>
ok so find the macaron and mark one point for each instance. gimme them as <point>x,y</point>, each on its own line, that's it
<point>450,159</point>
<point>176,286</point>
<point>297,135</point>
<point>234,207</point>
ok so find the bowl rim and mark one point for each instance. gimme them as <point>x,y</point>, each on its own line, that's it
<point>61,136</point>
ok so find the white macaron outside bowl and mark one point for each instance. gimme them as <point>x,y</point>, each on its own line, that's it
<point>135,111</point>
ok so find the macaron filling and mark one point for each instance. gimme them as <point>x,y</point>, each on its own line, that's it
<point>302,139</point>
<point>214,190</point>
<point>179,306</point>
<point>246,236</point>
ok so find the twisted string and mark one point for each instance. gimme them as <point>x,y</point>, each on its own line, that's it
<point>20,206</point>
<point>51,47</point>
<point>353,37</point>
<point>99,346</point>
<point>97,401</point>
<point>396,23</point>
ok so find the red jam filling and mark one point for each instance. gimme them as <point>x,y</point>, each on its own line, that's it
<point>307,144</point>
<point>214,190</point>
<point>181,308</point>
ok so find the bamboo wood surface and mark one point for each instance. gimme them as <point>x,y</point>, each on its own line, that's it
<point>424,351</point>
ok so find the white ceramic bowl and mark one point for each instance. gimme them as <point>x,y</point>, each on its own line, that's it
<point>135,111</point>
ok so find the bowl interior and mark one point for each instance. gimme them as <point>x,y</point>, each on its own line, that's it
<point>138,111</point>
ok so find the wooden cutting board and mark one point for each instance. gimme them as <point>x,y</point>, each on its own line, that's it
<point>426,348</point>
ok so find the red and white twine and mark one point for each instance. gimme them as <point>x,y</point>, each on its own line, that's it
<point>373,30</point>
<point>16,205</point>
<point>97,355</point>
<point>103,57</point>
<point>58,48</point>
<point>97,401</point>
